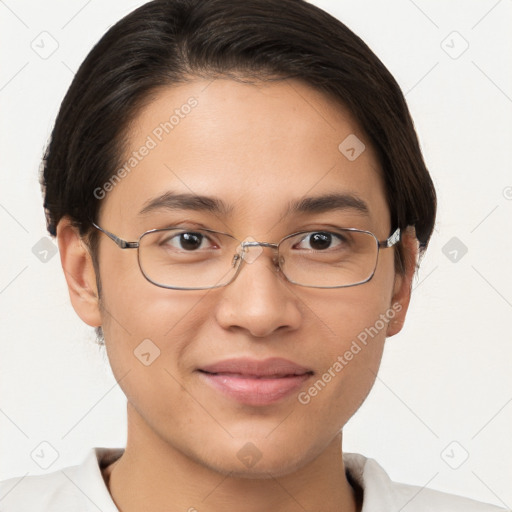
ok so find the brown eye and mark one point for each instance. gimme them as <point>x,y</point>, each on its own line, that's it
<point>187,241</point>
<point>319,241</point>
<point>190,241</point>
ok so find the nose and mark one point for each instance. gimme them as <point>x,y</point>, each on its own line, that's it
<point>260,300</point>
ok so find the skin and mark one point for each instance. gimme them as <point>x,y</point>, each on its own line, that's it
<point>256,147</point>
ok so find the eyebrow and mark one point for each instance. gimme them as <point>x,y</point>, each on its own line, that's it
<point>173,201</point>
<point>327,203</point>
<point>314,204</point>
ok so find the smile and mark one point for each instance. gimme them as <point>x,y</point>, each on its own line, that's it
<point>253,382</point>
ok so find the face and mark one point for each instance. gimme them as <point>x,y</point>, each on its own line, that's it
<point>209,385</point>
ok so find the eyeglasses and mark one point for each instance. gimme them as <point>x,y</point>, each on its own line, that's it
<point>200,259</point>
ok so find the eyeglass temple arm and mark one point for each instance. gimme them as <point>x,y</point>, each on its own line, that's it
<point>392,240</point>
<point>122,244</point>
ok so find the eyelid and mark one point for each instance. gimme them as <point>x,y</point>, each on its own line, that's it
<point>171,222</point>
<point>337,234</point>
<point>187,224</point>
<point>211,234</point>
<point>329,228</point>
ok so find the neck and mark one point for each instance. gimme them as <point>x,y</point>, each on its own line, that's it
<point>153,475</point>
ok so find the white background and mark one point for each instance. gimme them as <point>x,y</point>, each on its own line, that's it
<point>446,378</point>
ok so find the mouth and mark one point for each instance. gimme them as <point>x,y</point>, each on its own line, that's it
<point>253,382</point>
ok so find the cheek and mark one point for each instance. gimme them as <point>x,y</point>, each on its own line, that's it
<point>342,384</point>
<point>148,335</point>
<point>141,318</point>
<point>349,314</point>
<point>354,324</point>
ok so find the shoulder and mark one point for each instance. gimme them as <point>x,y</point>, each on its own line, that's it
<point>78,487</point>
<point>381,494</point>
<point>420,499</point>
<point>37,492</point>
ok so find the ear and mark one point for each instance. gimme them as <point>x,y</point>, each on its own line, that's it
<point>79,273</point>
<point>403,282</point>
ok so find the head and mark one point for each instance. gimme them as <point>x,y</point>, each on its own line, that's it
<point>248,104</point>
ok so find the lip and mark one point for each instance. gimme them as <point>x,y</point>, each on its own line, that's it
<point>254,382</point>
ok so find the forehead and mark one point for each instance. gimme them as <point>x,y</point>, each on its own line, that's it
<point>258,147</point>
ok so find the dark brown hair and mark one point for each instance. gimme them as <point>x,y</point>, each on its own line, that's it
<point>166,42</point>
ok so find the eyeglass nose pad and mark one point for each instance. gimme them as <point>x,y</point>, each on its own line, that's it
<point>236,258</point>
<point>249,250</point>
<point>278,261</point>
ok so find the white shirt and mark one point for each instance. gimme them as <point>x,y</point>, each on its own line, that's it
<point>82,489</point>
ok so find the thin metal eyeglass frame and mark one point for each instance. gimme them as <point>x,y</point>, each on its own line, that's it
<point>392,240</point>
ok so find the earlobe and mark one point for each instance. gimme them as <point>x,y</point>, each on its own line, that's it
<point>403,282</point>
<point>79,273</point>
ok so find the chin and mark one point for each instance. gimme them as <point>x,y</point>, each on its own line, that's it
<point>260,471</point>
<point>259,460</point>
